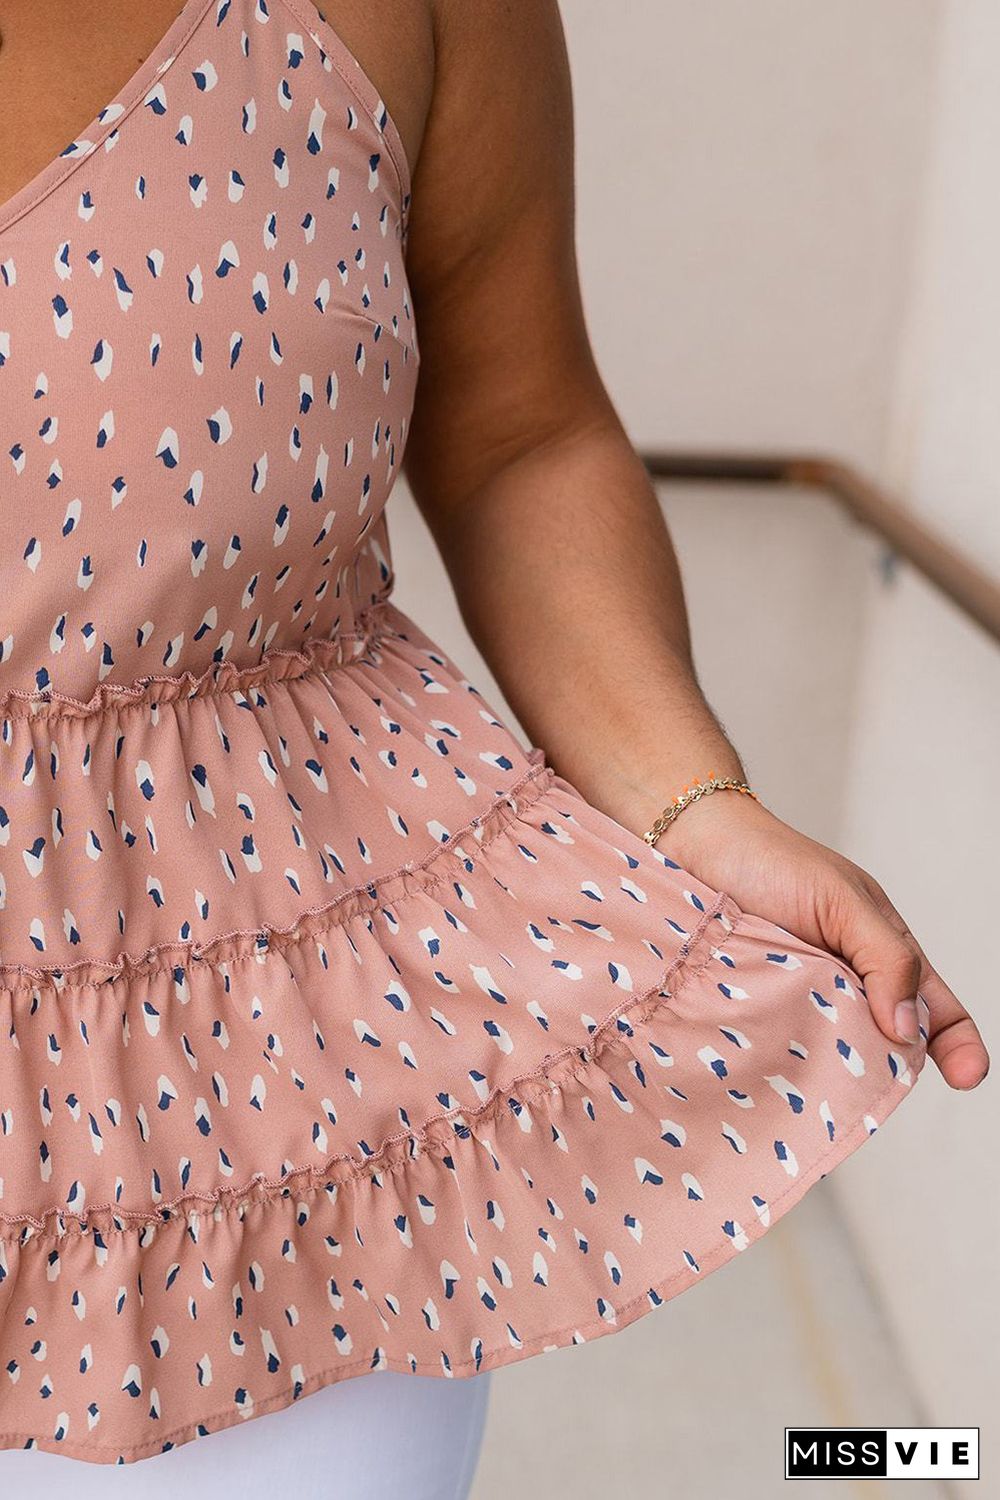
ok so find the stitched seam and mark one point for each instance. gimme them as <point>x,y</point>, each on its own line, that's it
<point>410,350</point>
<point>368,893</point>
<point>220,679</point>
<point>573,1061</point>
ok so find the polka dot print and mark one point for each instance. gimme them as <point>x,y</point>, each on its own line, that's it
<point>339,1033</point>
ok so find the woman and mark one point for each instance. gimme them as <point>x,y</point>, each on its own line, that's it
<point>343,1035</point>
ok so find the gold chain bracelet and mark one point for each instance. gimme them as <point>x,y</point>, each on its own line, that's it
<point>691,794</point>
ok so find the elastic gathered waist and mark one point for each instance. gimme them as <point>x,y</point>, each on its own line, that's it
<point>278,664</point>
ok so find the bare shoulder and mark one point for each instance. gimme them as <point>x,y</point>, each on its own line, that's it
<point>506,358</point>
<point>500,126</point>
<point>393,40</point>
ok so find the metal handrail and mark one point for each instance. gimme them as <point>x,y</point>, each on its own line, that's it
<point>968,585</point>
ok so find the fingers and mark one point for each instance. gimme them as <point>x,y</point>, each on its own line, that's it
<point>899,964</point>
<point>889,965</point>
<point>955,1044</point>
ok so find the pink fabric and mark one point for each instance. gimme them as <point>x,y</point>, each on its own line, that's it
<point>340,1034</point>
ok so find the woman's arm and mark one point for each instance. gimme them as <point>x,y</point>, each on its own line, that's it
<point>548,524</point>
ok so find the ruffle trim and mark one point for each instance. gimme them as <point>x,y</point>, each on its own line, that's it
<point>585,1328</point>
<point>317,654</point>
<point>239,946</point>
<point>570,1066</point>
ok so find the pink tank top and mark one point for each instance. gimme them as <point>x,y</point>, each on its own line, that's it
<point>208,361</point>
<point>338,1033</point>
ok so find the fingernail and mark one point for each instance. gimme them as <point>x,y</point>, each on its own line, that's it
<point>906,1021</point>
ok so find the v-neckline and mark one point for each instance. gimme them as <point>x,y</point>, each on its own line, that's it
<point>108,119</point>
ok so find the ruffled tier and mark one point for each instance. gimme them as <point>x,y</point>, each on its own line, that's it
<point>505,1099</point>
<point>166,815</point>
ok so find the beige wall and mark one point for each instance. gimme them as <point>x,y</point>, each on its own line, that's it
<point>922,809</point>
<point>945,440</point>
<point>748,183</point>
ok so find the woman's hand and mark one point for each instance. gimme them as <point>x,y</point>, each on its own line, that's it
<point>736,845</point>
<point>551,531</point>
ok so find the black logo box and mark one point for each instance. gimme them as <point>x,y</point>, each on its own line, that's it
<point>841,1452</point>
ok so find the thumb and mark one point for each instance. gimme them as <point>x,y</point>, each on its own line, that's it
<point>888,963</point>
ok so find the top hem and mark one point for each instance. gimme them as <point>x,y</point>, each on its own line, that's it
<point>583,1330</point>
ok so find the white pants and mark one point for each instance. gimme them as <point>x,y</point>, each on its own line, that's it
<point>380,1436</point>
